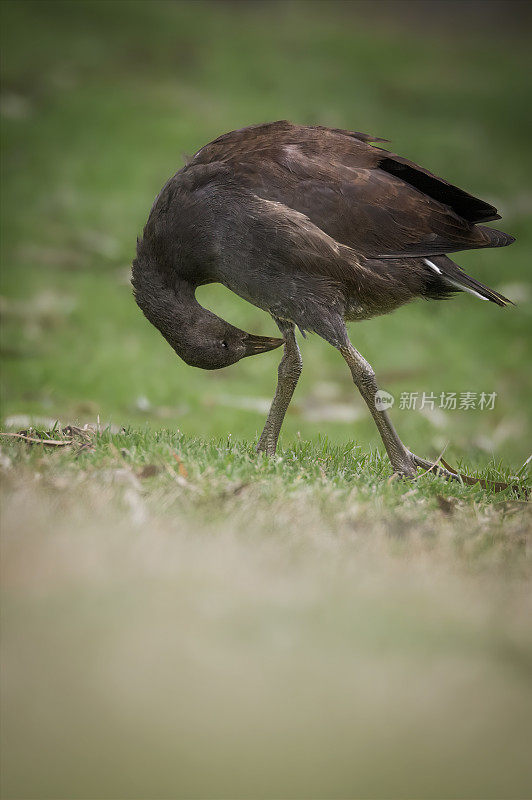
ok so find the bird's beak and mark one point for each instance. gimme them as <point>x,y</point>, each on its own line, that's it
<point>260,344</point>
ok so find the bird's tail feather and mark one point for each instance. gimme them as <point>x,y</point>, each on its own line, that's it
<point>452,278</point>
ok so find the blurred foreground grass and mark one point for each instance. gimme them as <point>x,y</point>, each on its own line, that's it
<point>184,619</point>
<point>180,617</point>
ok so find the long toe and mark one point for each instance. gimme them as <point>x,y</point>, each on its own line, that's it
<point>434,466</point>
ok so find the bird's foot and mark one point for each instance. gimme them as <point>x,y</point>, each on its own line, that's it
<point>405,466</point>
<point>432,466</point>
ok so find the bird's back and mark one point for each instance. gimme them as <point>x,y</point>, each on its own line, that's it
<point>374,201</point>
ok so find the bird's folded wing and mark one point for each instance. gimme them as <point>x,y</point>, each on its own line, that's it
<point>380,215</point>
<point>377,213</point>
<point>287,243</point>
<point>348,152</point>
<point>374,201</point>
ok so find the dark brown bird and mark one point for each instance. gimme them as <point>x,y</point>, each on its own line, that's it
<point>315,226</point>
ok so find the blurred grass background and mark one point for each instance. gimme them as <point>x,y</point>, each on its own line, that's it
<point>182,618</point>
<point>100,102</point>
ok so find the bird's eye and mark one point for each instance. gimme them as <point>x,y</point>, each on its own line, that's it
<point>224,344</point>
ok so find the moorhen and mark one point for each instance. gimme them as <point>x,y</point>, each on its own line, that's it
<point>316,226</point>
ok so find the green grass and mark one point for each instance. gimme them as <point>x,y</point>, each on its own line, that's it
<point>184,618</point>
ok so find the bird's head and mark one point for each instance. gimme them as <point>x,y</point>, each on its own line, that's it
<point>212,343</point>
<point>197,335</point>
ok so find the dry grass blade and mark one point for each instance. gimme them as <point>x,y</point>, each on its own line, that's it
<point>495,486</point>
<point>34,440</point>
<point>434,467</point>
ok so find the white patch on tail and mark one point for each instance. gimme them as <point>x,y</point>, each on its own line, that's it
<point>465,289</point>
<point>432,266</point>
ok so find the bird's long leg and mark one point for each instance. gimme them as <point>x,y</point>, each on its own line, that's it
<point>364,377</point>
<point>403,461</point>
<point>288,375</point>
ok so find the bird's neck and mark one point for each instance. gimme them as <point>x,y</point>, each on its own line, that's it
<point>168,303</point>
